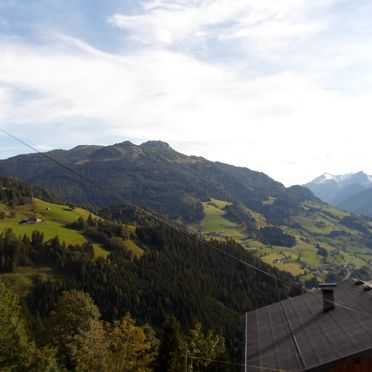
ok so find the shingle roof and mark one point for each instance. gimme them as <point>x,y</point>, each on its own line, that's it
<point>296,335</point>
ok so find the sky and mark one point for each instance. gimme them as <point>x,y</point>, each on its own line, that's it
<point>279,86</point>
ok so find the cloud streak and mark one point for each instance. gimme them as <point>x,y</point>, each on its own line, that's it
<point>261,23</point>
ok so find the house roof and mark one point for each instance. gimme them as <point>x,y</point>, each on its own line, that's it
<point>296,335</point>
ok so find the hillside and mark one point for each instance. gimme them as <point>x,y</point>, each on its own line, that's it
<point>360,202</point>
<point>329,244</point>
<point>288,228</point>
<point>149,269</point>
<point>54,219</point>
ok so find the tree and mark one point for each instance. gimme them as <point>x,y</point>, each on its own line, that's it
<point>92,355</point>
<point>15,348</point>
<point>77,333</point>
<point>203,349</point>
<point>170,351</point>
<point>132,348</point>
<point>44,359</point>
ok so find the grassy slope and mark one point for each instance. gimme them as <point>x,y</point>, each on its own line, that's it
<point>54,217</point>
<point>303,259</point>
<point>215,222</point>
<point>132,246</point>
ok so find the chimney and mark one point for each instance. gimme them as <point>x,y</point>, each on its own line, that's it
<point>328,296</point>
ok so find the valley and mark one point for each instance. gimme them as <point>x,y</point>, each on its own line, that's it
<point>325,248</point>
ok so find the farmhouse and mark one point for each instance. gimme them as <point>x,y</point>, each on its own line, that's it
<point>329,329</point>
<point>31,220</point>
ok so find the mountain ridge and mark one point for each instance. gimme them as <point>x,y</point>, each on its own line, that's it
<point>334,189</point>
<point>154,175</point>
<point>287,227</point>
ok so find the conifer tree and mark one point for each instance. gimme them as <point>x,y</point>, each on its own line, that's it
<point>170,351</point>
<point>15,347</point>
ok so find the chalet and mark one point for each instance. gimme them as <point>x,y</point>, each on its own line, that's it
<point>31,220</point>
<point>328,329</point>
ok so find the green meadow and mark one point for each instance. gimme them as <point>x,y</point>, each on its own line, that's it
<point>54,219</point>
<point>215,222</point>
<point>303,258</point>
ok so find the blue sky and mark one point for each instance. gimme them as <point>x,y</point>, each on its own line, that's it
<point>283,87</point>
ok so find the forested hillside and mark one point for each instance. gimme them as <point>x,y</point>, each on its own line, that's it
<point>163,271</point>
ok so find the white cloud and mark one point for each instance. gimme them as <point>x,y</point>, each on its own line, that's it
<point>77,94</point>
<point>288,118</point>
<point>168,22</point>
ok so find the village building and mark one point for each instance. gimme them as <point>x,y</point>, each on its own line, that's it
<point>328,329</point>
<point>31,220</point>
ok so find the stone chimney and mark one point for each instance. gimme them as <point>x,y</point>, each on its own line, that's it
<point>328,296</point>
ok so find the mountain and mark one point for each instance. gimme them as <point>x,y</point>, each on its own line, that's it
<point>155,176</point>
<point>360,203</point>
<point>288,228</point>
<point>335,189</point>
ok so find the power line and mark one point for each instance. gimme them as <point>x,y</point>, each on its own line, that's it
<point>175,227</point>
<point>144,211</point>
<point>71,170</point>
<point>161,220</point>
<point>239,364</point>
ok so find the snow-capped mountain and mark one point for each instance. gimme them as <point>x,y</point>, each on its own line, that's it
<point>334,189</point>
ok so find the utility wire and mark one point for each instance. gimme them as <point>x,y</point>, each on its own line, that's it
<point>71,170</point>
<point>160,220</point>
<point>239,364</point>
<point>144,211</point>
<point>177,228</point>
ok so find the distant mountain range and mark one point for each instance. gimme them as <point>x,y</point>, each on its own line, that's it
<point>351,192</point>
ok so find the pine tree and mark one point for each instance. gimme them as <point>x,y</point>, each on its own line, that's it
<point>170,351</point>
<point>15,348</point>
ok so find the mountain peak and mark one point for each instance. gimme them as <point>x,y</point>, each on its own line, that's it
<point>118,151</point>
<point>328,176</point>
<point>124,144</point>
<point>324,178</point>
<point>85,148</point>
<point>156,145</point>
<point>342,178</point>
<point>334,189</point>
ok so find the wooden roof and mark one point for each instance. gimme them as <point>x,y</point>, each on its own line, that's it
<point>296,335</point>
